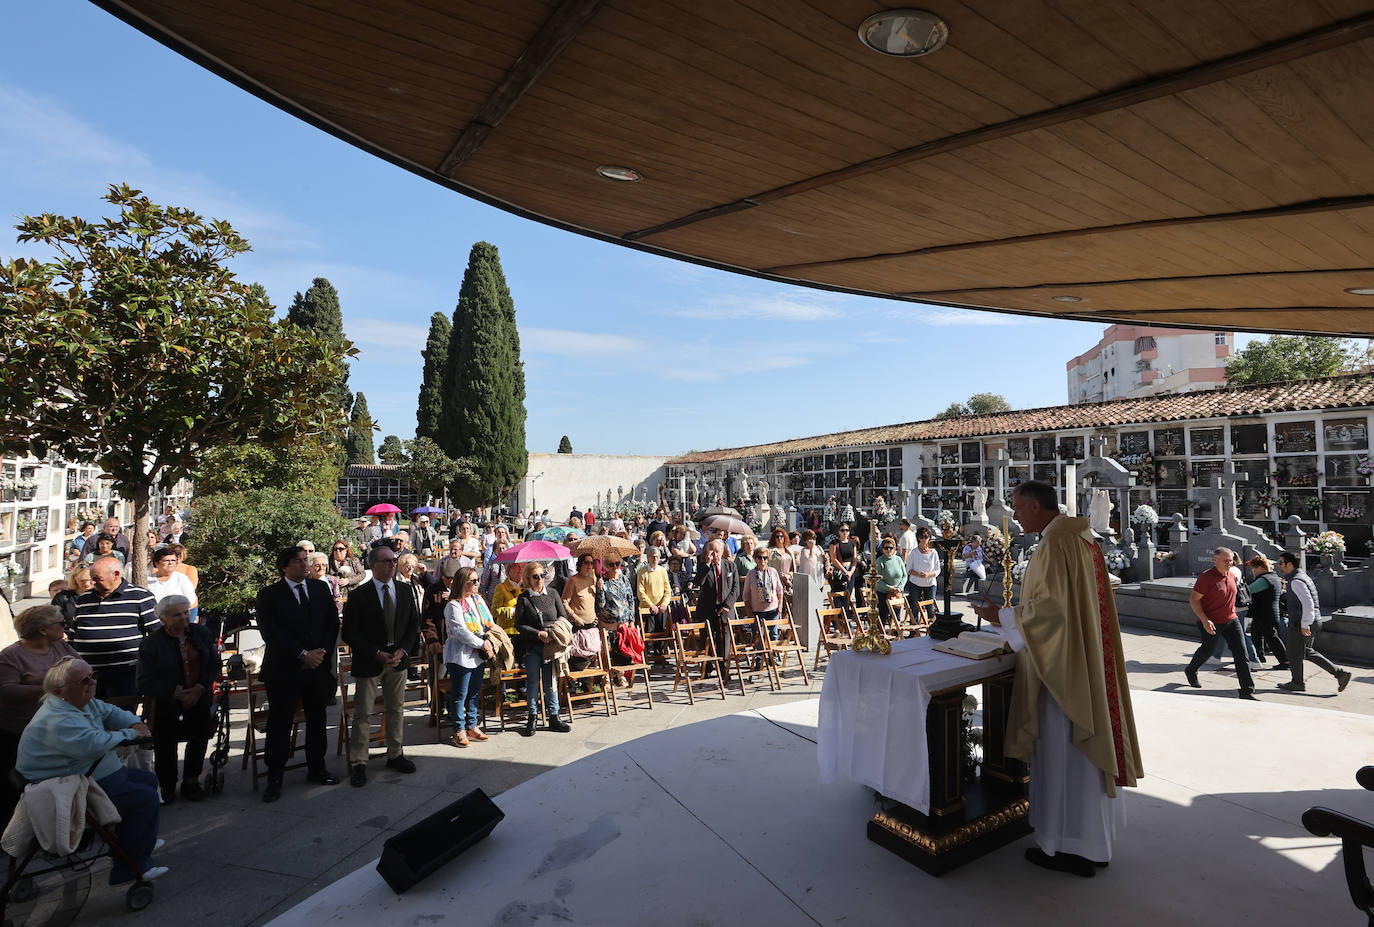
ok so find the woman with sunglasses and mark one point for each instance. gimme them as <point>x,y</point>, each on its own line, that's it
<point>71,731</point>
<point>535,612</point>
<point>844,562</point>
<point>891,577</point>
<point>345,567</point>
<point>466,652</point>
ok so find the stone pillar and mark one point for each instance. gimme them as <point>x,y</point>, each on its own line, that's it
<point>1295,540</point>
<point>1145,563</point>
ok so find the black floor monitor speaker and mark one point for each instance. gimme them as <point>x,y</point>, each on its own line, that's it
<point>421,849</point>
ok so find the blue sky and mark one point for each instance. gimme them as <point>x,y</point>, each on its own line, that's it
<point>624,352</point>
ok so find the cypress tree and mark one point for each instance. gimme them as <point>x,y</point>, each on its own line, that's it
<point>565,446</point>
<point>391,451</point>
<point>318,309</point>
<point>429,409</point>
<point>358,444</point>
<point>483,415</point>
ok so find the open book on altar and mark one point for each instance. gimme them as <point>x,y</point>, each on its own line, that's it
<point>975,645</point>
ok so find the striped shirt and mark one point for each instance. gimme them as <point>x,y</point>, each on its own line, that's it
<point>110,629</point>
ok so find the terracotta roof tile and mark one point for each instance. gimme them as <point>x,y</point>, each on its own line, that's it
<point>1334,392</point>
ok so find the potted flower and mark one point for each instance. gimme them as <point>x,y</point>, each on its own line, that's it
<point>27,487</point>
<point>1349,513</point>
<point>946,517</point>
<point>1144,517</point>
<point>1116,561</point>
<point>25,530</point>
<point>1329,545</point>
<point>7,487</point>
<point>1163,556</point>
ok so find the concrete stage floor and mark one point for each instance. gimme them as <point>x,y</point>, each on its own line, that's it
<point>726,822</point>
<point>714,813</point>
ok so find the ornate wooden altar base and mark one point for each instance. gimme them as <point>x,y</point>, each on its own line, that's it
<point>965,822</point>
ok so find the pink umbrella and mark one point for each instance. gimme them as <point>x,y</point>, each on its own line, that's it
<point>532,550</point>
<point>383,508</point>
<point>731,525</point>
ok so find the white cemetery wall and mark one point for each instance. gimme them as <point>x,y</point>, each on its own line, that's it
<point>575,479</point>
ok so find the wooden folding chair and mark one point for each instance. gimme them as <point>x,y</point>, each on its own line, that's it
<point>660,639</point>
<point>255,748</point>
<point>782,649</point>
<point>900,625</point>
<point>629,669</point>
<point>836,633</point>
<point>508,699</point>
<point>596,672</point>
<point>839,599</point>
<point>696,646</point>
<point>744,648</point>
<point>922,620</point>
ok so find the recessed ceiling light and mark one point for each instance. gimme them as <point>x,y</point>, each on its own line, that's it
<point>904,33</point>
<point>1360,290</point>
<point>1068,299</point>
<point>615,172</point>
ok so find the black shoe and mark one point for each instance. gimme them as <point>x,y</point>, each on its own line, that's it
<point>528,729</point>
<point>1248,696</point>
<point>1282,666</point>
<point>400,764</point>
<point>1192,678</point>
<point>322,777</point>
<point>191,790</point>
<point>1293,686</point>
<point>169,794</point>
<point>357,775</point>
<point>558,725</point>
<point>272,792</point>
<point>1342,680</point>
<point>1061,862</point>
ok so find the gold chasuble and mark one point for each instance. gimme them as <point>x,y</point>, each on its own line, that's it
<point>1067,615</point>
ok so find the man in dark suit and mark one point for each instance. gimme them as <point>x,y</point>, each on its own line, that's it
<point>719,590</point>
<point>300,625</point>
<point>381,626</point>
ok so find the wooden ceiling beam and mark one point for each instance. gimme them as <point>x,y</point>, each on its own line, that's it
<point>1091,284</point>
<point>544,47</point>
<point>1336,35</point>
<point>1273,212</point>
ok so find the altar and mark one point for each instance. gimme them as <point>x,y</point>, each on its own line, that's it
<point>894,723</point>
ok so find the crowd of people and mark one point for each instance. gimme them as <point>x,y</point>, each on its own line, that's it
<point>400,595</point>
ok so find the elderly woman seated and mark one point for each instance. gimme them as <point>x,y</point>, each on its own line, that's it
<point>23,665</point>
<point>177,667</point>
<point>73,731</point>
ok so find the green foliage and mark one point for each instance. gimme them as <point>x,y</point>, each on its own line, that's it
<point>1290,357</point>
<point>565,446</point>
<point>430,470</point>
<point>318,310</point>
<point>483,417</point>
<point>986,403</point>
<point>429,409</point>
<point>978,404</point>
<point>391,451</point>
<point>358,443</point>
<point>305,467</point>
<point>233,539</point>
<point>137,348</point>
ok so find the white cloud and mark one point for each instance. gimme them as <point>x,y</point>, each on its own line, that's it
<point>562,342</point>
<point>785,307</point>
<point>53,148</point>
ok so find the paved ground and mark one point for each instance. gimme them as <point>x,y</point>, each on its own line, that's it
<point>235,861</point>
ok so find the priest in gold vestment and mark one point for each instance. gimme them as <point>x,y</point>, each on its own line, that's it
<point>1070,715</point>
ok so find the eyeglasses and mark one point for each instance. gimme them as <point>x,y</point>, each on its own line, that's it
<point>533,576</point>
<point>341,548</point>
<point>87,681</point>
<point>888,547</point>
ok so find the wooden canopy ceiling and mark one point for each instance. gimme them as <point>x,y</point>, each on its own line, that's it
<point>1207,163</point>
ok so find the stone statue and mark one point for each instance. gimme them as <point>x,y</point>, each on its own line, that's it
<point>743,490</point>
<point>763,492</point>
<point>980,504</point>
<point>1100,511</point>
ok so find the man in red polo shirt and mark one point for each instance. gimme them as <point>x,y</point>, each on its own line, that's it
<point>1214,603</point>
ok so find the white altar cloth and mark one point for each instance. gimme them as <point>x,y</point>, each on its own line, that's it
<point>873,714</point>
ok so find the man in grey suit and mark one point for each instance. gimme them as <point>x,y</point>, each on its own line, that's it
<point>718,583</point>
<point>382,629</point>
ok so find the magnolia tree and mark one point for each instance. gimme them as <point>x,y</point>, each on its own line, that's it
<point>136,348</point>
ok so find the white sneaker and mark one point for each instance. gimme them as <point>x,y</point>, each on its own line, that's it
<point>155,872</point>
<point>159,845</point>
<point>1256,667</point>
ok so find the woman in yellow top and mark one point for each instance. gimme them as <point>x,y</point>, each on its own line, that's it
<point>504,596</point>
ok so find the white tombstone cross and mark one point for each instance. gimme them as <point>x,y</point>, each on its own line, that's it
<point>1071,490</point>
<point>1000,464</point>
<point>1226,482</point>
